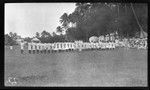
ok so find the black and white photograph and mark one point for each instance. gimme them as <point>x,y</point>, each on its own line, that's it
<point>74,44</point>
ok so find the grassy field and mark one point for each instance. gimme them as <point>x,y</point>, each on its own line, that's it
<point>119,67</point>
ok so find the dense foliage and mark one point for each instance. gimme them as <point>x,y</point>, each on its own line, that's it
<point>103,18</point>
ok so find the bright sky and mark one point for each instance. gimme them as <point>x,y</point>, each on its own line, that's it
<point>28,18</point>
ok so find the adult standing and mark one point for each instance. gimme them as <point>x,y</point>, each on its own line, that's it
<point>22,47</point>
<point>29,47</point>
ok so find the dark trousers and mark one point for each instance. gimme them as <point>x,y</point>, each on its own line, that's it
<point>33,51</point>
<point>41,51</point>
<point>37,51</point>
<point>45,51</point>
<point>30,51</point>
<point>21,51</point>
<point>48,51</point>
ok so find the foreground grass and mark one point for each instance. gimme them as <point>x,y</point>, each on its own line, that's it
<point>119,67</point>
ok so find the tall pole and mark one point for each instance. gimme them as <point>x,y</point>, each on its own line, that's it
<point>141,29</point>
<point>125,9</point>
<point>126,15</point>
<point>118,19</point>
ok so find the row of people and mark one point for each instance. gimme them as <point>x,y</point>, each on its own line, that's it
<point>67,46</point>
<point>79,45</point>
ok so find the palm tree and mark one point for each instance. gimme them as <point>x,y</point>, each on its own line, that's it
<point>64,20</point>
<point>59,30</point>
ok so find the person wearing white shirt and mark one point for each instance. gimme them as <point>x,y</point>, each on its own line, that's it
<point>89,46</point>
<point>80,46</point>
<point>116,42</point>
<point>40,47</point>
<point>29,47</point>
<point>48,48</point>
<point>67,46</point>
<point>33,48</point>
<point>60,46</point>
<point>113,45</point>
<point>53,47</point>
<point>104,45</point>
<point>45,48</point>
<point>74,46</point>
<point>35,44</point>
<point>99,45</point>
<point>64,46</point>
<point>22,47</point>
<point>57,47</point>
<point>102,38</point>
<point>108,45</point>
<point>145,46</point>
<point>36,47</point>
<point>95,46</point>
<point>70,46</point>
<point>85,45</point>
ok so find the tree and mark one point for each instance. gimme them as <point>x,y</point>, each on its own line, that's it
<point>9,40</point>
<point>64,20</point>
<point>13,37</point>
<point>59,30</point>
<point>54,34</point>
<point>27,39</point>
<point>95,19</point>
<point>45,34</point>
<point>37,35</point>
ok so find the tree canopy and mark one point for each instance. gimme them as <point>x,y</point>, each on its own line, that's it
<point>95,19</point>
